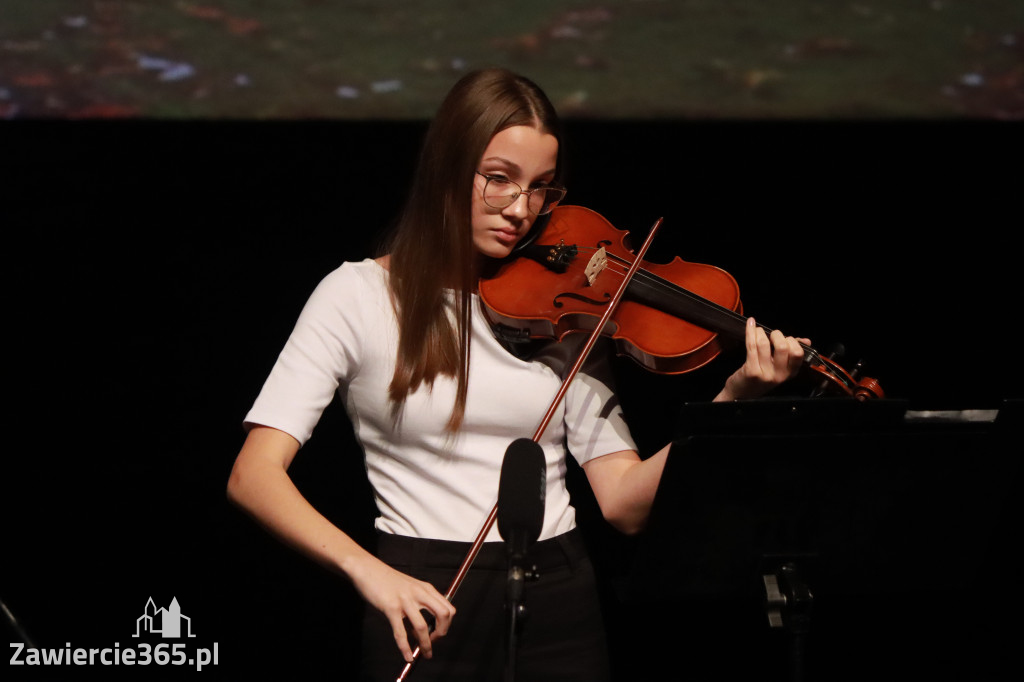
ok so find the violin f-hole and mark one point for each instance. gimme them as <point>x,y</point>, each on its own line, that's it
<point>580,297</point>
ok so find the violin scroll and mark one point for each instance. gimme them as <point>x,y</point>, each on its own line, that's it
<point>839,380</point>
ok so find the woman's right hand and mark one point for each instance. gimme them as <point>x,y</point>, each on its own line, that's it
<point>259,484</point>
<point>402,599</point>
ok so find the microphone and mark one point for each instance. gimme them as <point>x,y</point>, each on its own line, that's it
<point>521,492</point>
<point>520,518</point>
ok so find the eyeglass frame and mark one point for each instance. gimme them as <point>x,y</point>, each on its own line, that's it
<point>515,196</point>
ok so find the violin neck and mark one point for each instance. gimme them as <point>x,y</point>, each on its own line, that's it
<point>663,295</point>
<point>670,298</point>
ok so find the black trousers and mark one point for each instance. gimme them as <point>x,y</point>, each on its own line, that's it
<point>561,639</point>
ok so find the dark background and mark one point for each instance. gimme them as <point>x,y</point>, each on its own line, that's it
<point>154,269</point>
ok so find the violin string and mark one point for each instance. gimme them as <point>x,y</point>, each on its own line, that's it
<point>650,279</point>
<point>655,281</point>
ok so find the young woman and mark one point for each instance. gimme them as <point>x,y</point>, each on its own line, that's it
<point>436,400</point>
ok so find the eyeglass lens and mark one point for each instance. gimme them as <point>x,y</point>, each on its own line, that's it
<point>499,193</point>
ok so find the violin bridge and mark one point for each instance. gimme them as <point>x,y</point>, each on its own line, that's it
<point>598,262</point>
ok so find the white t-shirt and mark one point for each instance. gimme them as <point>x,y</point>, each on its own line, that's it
<point>427,482</point>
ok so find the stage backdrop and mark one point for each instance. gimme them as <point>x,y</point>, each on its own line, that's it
<point>619,59</point>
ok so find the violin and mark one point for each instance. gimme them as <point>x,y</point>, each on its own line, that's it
<point>673,318</point>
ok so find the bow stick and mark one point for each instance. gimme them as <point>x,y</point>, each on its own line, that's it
<point>474,549</point>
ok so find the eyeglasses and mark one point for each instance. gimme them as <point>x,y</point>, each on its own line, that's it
<point>501,192</point>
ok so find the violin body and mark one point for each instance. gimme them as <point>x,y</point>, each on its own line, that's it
<point>673,318</point>
<point>527,298</point>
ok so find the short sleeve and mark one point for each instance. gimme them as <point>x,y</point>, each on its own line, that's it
<point>322,352</point>
<point>594,422</point>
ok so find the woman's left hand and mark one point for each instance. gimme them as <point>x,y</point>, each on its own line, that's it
<point>770,361</point>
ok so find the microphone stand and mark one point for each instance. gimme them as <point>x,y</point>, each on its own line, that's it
<point>515,607</point>
<point>515,604</point>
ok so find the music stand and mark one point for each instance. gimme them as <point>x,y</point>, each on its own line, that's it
<point>834,500</point>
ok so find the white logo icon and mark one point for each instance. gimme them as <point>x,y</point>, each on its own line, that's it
<point>167,622</point>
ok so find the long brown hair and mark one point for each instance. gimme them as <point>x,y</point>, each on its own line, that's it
<point>431,249</point>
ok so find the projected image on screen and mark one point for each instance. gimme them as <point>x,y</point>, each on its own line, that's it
<point>394,59</point>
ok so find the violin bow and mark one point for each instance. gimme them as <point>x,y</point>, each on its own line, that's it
<point>474,549</point>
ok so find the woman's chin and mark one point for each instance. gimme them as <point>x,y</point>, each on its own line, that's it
<point>497,248</point>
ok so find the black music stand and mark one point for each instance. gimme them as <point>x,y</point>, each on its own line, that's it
<point>835,504</point>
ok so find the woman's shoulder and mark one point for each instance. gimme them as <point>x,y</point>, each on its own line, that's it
<point>368,272</point>
<point>352,286</point>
